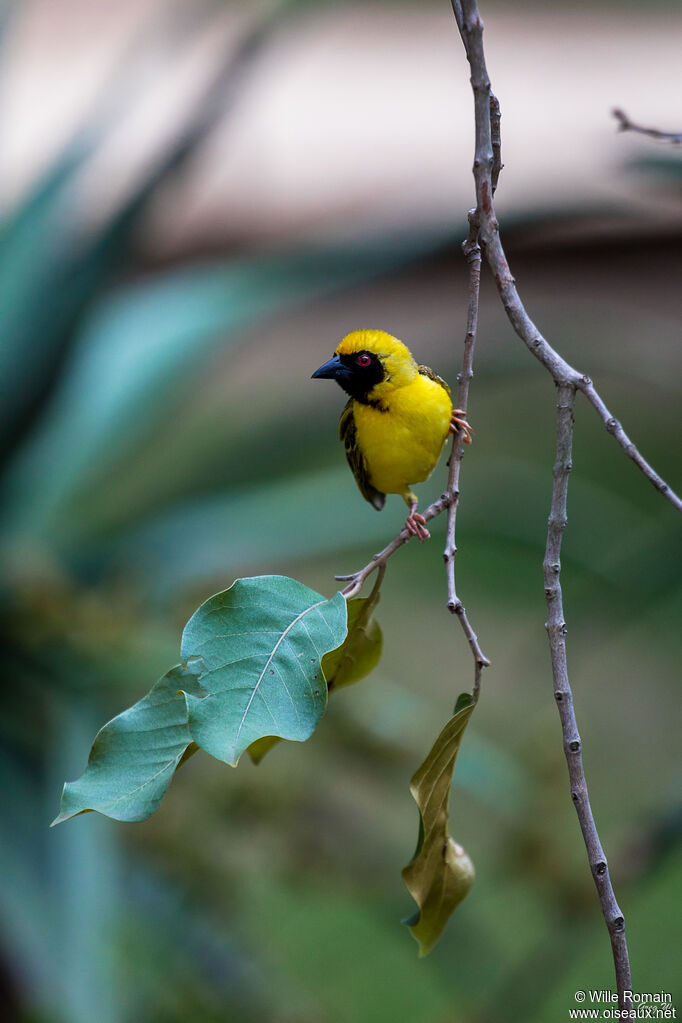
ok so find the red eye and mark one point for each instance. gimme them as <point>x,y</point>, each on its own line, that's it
<point>363,360</point>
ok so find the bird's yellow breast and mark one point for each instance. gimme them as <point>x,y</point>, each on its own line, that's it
<point>402,440</point>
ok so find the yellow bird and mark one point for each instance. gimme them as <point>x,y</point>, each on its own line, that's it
<point>396,421</point>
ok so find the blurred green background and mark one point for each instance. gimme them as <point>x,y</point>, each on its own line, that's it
<point>199,201</point>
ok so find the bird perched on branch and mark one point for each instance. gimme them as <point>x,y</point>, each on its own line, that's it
<point>396,421</point>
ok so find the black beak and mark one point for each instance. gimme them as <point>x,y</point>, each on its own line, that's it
<point>331,370</point>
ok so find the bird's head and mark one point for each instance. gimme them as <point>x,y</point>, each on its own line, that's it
<point>368,364</point>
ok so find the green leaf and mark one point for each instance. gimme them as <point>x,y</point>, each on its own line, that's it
<point>357,656</point>
<point>260,747</point>
<point>462,701</point>
<point>360,651</point>
<point>261,642</point>
<point>134,756</point>
<point>440,874</point>
<point>252,672</point>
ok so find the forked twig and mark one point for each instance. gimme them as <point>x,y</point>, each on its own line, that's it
<point>471,30</point>
<point>625,124</point>
<point>568,381</point>
<point>484,236</point>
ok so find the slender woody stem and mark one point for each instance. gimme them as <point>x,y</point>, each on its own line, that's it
<point>625,124</point>
<point>472,254</point>
<point>356,579</point>
<point>556,630</point>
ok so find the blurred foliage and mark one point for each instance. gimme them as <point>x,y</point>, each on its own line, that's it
<point>159,439</point>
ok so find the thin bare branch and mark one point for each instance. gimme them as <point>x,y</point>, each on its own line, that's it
<point>556,630</point>
<point>625,124</point>
<point>585,385</point>
<point>471,30</point>
<point>472,254</point>
<point>356,579</point>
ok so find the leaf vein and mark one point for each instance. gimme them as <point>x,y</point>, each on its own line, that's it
<point>281,639</point>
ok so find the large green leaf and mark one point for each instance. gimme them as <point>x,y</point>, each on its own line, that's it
<point>252,669</point>
<point>134,756</point>
<point>261,642</point>
<point>357,656</point>
<point>440,874</point>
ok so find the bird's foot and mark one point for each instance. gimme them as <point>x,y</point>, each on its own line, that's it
<point>458,424</point>
<point>416,525</point>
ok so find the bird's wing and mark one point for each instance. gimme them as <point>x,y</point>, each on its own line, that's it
<point>426,371</point>
<point>348,434</point>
